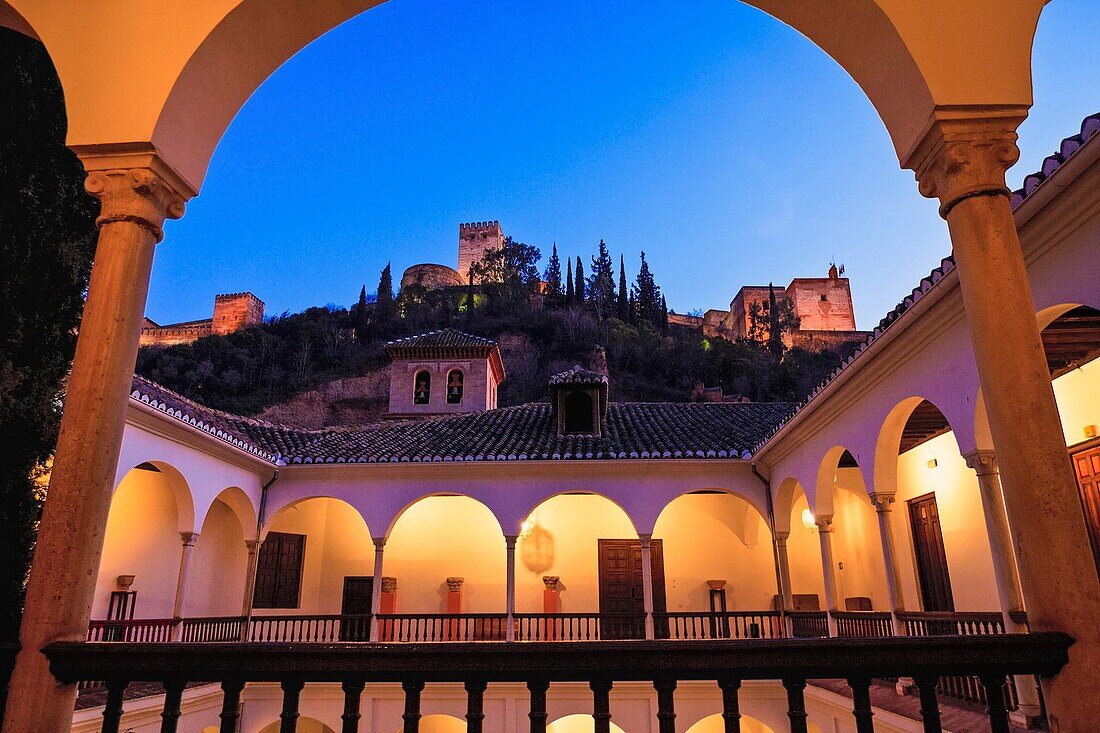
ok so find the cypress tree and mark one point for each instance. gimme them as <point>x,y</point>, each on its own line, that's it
<point>775,327</point>
<point>664,315</point>
<point>553,278</point>
<point>578,286</point>
<point>648,295</point>
<point>570,293</point>
<point>623,304</point>
<point>470,294</point>
<point>601,286</point>
<point>360,317</point>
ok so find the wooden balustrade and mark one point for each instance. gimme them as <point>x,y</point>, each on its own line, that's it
<point>808,624</point>
<point>432,627</point>
<point>211,628</point>
<point>310,628</point>
<point>719,625</point>
<point>961,623</point>
<point>138,630</point>
<point>989,657</point>
<point>863,623</point>
<point>579,626</point>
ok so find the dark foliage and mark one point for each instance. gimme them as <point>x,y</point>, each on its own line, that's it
<point>47,239</point>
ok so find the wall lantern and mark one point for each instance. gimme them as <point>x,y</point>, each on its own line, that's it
<point>932,463</point>
<point>527,528</point>
<point>808,520</point>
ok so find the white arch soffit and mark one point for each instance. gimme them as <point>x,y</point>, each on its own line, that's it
<point>790,489</point>
<point>907,58</point>
<point>273,512</point>
<point>757,504</point>
<point>177,482</point>
<point>240,503</point>
<point>888,445</point>
<point>396,518</point>
<point>606,496</point>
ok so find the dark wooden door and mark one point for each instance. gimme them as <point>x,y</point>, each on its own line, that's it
<point>622,601</point>
<point>935,582</point>
<point>1086,464</point>
<point>358,592</point>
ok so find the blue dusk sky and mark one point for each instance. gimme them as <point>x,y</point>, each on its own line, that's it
<point>716,139</point>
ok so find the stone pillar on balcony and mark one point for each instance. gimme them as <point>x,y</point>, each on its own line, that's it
<point>188,539</point>
<point>510,588</point>
<point>253,548</point>
<point>824,524</point>
<point>883,502</point>
<point>647,583</point>
<point>783,570</point>
<point>454,606</point>
<point>551,604</point>
<point>137,192</point>
<point>376,587</point>
<point>962,161</point>
<point>387,605</point>
<point>1009,593</point>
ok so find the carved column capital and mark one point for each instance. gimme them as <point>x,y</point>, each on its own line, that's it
<point>135,195</point>
<point>824,523</point>
<point>189,538</point>
<point>454,584</point>
<point>781,536</point>
<point>882,501</point>
<point>965,153</point>
<point>983,462</point>
<point>389,584</point>
<point>510,541</point>
<point>379,543</point>
<point>551,581</point>
<point>645,539</point>
<point>252,546</point>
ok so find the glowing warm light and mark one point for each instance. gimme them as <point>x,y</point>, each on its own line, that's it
<point>808,520</point>
<point>527,528</point>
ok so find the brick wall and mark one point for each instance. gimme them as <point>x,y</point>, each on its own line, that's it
<point>478,389</point>
<point>473,239</point>
<point>235,311</point>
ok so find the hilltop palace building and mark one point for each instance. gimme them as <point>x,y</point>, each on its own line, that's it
<point>511,540</point>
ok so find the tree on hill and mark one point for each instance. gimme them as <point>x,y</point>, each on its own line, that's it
<point>509,272</point>
<point>664,314</point>
<point>570,291</point>
<point>601,284</point>
<point>623,305</point>
<point>578,286</point>
<point>553,279</point>
<point>360,317</point>
<point>385,309</point>
<point>647,295</point>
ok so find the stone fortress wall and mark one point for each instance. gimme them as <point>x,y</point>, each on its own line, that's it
<point>473,239</point>
<point>232,312</point>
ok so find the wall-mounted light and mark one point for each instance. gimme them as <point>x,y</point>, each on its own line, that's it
<point>527,528</point>
<point>1090,431</point>
<point>933,463</point>
<point>808,520</point>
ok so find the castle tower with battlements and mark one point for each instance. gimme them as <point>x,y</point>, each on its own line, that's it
<point>473,239</point>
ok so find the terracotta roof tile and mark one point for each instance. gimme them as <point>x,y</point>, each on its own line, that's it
<point>446,338</point>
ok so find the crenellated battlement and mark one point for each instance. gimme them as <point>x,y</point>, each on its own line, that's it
<point>473,239</point>
<point>475,226</point>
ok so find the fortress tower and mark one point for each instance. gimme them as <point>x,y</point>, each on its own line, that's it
<point>473,239</point>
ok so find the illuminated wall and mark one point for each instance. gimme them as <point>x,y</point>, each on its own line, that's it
<point>443,536</point>
<point>857,543</point>
<point>737,549</point>
<point>1078,395</point>
<point>219,561</point>
<point>715,724</point>
<point>804,555</point>
<point>563,541</point>
<point>142,539</point>
<point>577,724</point>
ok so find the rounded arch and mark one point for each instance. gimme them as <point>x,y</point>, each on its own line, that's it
<point>546,499</point>
<point>910,421</point>
<point>716,724</point>
<point>240,503</point>
<point>834,459</point>
<point>439,723</point>
<point>12,19</point>
<point>305,725</point>
<point>577,723</point>
<point>786,492</point>
<point>174,481</point>
<point>422,386</point>
<point>442,495</point>
<point>281,511</point>
<point>738,552</point>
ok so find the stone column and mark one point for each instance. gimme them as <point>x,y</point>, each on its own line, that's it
<point>134,203</point>
<point>784,571</point>
<point>376,587</point>
<point>828,566</point>
<point>510,588</point>
<point>188,539</point>
<point>984,464</point>
<point>647,583</point>
<point>962,161</point>
<point>883,502</point>
<point>253,547</point>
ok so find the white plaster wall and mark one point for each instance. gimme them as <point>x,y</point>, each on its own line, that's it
<point>1078,395</point>
<point>804,555</point>
<point>443,536</point>
<point>716,537</point>
<point>219,561</point>
<point>564,542</point>
<point>857,544</point>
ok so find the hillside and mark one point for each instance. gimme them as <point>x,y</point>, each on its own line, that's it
<point>326,366</point>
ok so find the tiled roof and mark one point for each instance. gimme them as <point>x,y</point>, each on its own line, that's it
<point>578,375</point>
<point>1089,129</point>
<point>529,432</point>
<point>446,338</point>
<point>525,432</point>
<point>258,437</point>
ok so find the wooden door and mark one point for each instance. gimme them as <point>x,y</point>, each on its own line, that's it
<point>935,582</point>
<point>358,592</point>
<point>1086,464</point>
<point>622,601</point>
